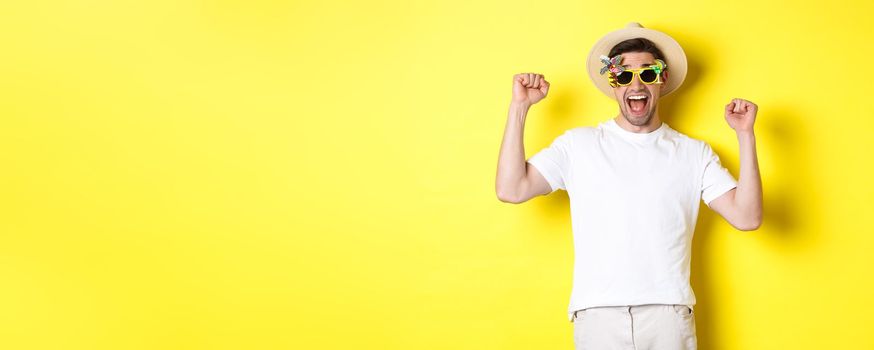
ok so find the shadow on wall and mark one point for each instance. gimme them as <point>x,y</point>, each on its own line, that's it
<point>783,219</point>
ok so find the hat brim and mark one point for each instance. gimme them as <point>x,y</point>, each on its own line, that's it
<point>675,57</point>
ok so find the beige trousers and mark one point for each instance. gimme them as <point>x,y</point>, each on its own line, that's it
<point>637,327</point>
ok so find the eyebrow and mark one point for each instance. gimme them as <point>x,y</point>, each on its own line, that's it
<point>644,65</point>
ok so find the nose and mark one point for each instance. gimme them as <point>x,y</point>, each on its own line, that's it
<point>636,83</point>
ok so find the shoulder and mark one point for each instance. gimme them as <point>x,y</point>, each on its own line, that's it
<point>692,148</point>
<point>583,133</point>
<point>579,137</point>
<point>686,140</point>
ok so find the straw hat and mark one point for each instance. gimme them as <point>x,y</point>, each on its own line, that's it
<point>674,56</point>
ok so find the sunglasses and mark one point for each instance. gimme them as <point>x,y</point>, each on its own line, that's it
<point>647,76</point>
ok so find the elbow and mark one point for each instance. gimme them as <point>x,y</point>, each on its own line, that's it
<point>750,225</point>
<point>747,227</point>
<point>748,220</point>
<point>506,198</point>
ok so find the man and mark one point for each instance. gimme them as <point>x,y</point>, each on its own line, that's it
<point>635,186</point>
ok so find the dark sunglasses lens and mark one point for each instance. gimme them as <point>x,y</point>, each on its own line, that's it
<point>648,76</point>
<point>624,77</point>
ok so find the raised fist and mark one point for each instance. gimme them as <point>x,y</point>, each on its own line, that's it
<point>529,88</point>
<point>741,114</point>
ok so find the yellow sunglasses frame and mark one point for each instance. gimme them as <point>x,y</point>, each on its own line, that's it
<point>614,79</point>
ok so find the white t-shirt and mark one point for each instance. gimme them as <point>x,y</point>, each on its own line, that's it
<point>634,202</point>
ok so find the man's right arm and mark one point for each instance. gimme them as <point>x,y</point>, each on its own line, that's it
<point>517,181</point>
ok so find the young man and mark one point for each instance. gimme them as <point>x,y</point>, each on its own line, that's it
<point>635,186</point>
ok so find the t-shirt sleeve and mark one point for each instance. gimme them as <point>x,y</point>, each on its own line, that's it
<point>716,178</point>
<point>553,162</point>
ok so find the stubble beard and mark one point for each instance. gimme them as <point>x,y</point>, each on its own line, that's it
<point>637,121</point>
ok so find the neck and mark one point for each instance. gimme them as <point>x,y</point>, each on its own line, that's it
<point>654,123</point>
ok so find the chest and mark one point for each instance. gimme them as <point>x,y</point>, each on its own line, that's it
<point>660,172</point>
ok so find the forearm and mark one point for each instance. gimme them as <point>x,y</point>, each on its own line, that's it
<point>511,160</point>
<point>748,197</point>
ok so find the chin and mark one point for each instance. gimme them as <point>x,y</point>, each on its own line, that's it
<point>638,121</point>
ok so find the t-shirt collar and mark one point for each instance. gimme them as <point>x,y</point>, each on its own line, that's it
<point>612,125</point>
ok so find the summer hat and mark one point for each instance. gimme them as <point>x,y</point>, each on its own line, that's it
<point>674,56</point>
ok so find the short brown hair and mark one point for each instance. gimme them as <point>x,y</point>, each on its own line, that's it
<point>638,45</point>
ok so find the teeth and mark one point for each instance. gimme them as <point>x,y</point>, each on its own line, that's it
<point>636,97</point>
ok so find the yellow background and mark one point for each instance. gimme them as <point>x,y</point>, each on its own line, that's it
<point>320,175</point>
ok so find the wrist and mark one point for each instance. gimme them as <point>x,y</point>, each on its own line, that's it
<point>746,134</point>
<point>520,104</point>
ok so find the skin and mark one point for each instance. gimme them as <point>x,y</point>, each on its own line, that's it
<point>627,120</point>
<point>517,182</point>
<point>742,206</point>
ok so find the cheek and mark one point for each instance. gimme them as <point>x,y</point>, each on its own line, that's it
<point>620,92</point>
<point>655,91</point>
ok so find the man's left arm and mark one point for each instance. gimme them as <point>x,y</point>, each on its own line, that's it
<point>742,206</point>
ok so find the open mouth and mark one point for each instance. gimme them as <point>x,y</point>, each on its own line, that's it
<point>637,103</point>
